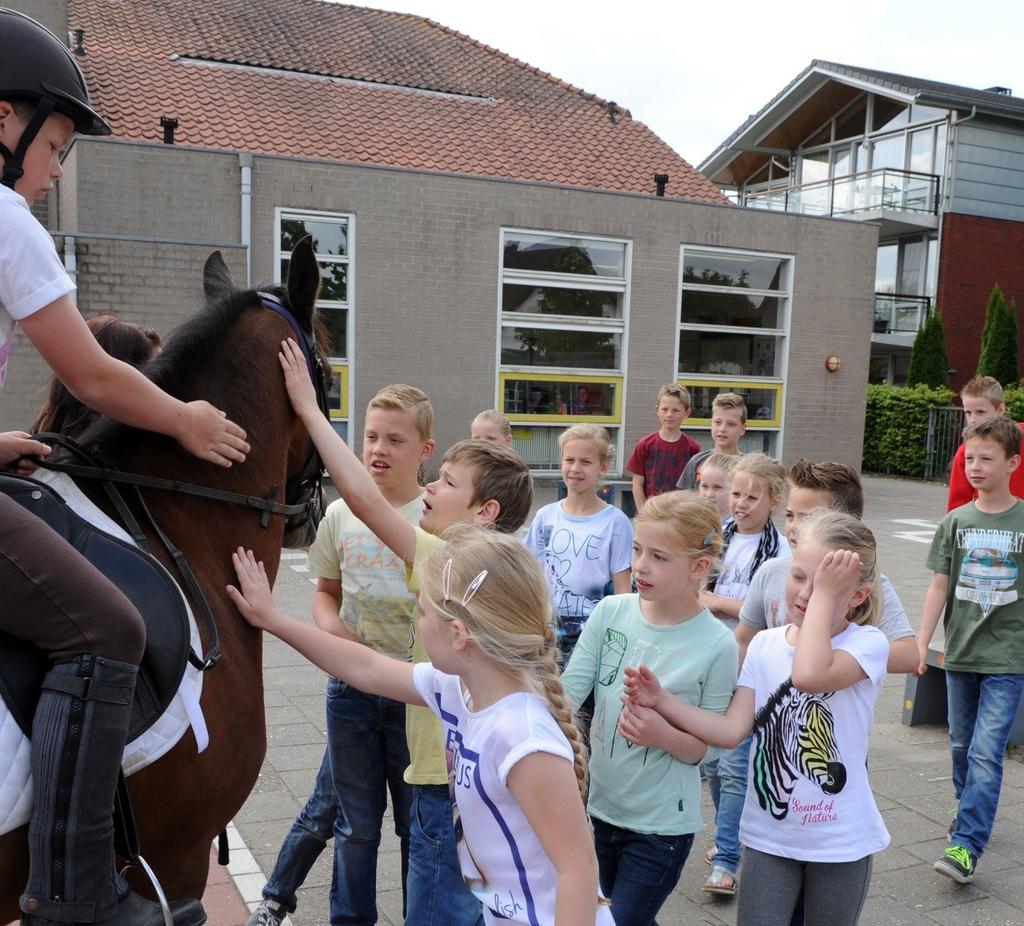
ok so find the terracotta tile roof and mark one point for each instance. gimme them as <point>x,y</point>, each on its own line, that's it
<point>324,80</point>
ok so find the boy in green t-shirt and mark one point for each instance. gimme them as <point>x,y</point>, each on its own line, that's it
<point>981,544</point>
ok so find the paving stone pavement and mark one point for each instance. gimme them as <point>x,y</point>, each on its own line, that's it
<point>909,772</point>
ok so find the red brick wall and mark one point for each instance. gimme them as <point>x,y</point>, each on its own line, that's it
<point>976,253</point>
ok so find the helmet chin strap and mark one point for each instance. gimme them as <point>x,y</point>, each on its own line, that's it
<point>13,169</point>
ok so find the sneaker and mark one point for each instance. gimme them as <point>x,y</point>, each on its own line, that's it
<point>268,913</point>
<point>957,863</point>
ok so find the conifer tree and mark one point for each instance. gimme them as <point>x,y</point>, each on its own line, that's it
<point>999,355</point>
<point>929,364</point>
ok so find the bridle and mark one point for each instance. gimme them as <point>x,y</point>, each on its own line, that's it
<point>303,504</point>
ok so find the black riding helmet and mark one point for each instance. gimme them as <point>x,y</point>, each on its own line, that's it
<point>36,66</point>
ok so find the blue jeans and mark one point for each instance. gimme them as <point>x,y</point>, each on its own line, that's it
<point>981,712</point>
<point>638,870</point>
<point>727,781</point>
<point>366,740</point>
<point>435,889</point>
<point>305,841</point>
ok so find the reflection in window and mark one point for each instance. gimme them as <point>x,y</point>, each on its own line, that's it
<point>559,347</point>
<point>525,396</point>
<point>558,254</point>
<point>710,308</point>
<point>762,404</point>
<point>329,238</point>
<point>721,354</point>
<point>549,300</point>
<point>888,114</point>
<point>336,323</point>
<point>333,280</point>
<point>709,268</point>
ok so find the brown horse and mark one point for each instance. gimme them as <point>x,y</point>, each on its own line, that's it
<point>227,354</point>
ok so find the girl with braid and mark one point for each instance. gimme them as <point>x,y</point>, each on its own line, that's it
<point>644,799</point>
<point>517,765</point>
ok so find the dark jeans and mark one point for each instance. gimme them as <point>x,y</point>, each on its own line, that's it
<point>638,870</point>
<point>307,838</point>
<point>53,597</point>
<point>369,755</point>
<point>437,893</point>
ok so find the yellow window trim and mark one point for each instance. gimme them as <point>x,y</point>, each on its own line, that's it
<point>731,385</point>
<point>522,418</point>
<point>340,413</point>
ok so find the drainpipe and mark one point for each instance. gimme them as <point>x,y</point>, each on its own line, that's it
<point>951,165</point>
<point>245,164</point>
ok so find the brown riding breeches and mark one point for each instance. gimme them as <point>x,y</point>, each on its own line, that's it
<point>53,597</point>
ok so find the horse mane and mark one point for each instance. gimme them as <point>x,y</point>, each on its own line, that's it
<point>188,348</point>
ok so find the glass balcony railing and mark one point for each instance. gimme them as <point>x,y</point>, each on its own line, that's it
<point>869,191</point>
<point>896,313</point>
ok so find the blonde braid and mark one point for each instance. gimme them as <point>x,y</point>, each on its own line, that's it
<point>549,680</point>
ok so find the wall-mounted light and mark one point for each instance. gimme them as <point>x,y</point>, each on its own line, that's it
<point>833,363</point>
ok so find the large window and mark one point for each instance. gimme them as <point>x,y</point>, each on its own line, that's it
<point>733,324</point>
<point>561,337</point>
<point>332,243</point>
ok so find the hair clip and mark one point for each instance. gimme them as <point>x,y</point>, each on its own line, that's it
<point>471,589</point>
<point>707,540</point>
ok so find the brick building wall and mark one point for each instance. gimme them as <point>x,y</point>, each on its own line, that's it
<point>976,254</point>
<point>426,273</point>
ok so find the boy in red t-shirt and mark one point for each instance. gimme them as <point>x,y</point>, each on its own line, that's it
<point>982,399</point>
<point>659,458</point>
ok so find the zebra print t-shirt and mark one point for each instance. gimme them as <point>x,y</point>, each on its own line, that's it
<point>808,795</point>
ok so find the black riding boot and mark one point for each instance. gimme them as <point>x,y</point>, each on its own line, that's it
<point>78,738</point>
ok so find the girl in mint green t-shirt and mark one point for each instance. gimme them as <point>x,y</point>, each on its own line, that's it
<point>644,798</point>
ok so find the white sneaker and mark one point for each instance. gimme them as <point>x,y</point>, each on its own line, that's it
<point>268,913</point>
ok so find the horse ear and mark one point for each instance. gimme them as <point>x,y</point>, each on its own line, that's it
<point>216,277</point>
<point>303,282</point>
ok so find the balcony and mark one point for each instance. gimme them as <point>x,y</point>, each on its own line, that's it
<point>898,318</point>
<point>901,199</point>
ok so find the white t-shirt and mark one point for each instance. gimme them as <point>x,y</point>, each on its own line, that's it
<point>808,796</point>
<point>31,274</point>
<point>579,556</point>
<point>502,860</point>
<point>734,574</point>
<point>765,604</point>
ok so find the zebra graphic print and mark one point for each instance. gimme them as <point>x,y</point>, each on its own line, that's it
<point>794,735</point>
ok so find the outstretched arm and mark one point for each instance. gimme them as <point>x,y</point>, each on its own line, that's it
<point>725,730</point>
<point>117,389</point>
<point>352,662</point>
<point>348,474</point>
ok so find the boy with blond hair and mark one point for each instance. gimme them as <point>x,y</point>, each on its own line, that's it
<point>659,458</point>
<point>982,398</point>
<point>361,595</point>
<point>979,547</point>
<point>481,483</point>
<point>728,425</point>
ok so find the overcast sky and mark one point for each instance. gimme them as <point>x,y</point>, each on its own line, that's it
<point>694,71</point>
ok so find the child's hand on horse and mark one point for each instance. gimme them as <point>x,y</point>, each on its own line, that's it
<point>253,597</point>
<point>15,448</point>
<point>297,381</point>
<point>641,687</point>
<point>206,432</point>
<point>838,575</point>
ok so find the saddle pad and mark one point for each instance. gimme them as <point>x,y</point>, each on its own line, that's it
<point>183,712</point>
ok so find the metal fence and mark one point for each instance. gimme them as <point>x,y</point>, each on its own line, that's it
<point>945,432</point>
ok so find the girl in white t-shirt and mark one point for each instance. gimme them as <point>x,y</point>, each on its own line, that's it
<point>808,690</point>
<point>516,764</point>
<point>756,488</point>
<point>583,543</point>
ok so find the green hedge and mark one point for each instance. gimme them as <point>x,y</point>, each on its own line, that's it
<point>896,427</point>
<point>1014,396</point>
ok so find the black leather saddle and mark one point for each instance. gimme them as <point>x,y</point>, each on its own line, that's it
<point>143,580</point>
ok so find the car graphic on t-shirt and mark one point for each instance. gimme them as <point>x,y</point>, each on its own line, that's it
<point>987,577</point>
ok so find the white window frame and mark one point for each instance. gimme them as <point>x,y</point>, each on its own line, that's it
<point>781,333</point>
<point>349,218</point>
<point>620,285</point>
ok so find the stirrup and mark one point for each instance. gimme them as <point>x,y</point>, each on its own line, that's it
<point>154,882</point>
